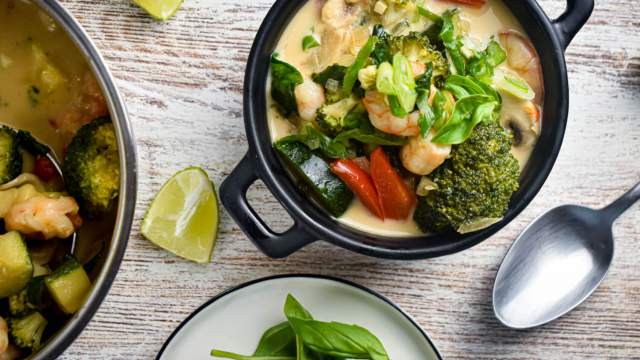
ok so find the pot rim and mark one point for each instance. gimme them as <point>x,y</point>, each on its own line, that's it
<point>128,182</point>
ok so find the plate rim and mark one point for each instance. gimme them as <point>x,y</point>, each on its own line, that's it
<point>249,283</point>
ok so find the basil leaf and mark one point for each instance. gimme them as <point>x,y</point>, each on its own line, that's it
<point>278,340</point>
<point>351,76</point>
<point>463,86</point>
<point>284,79</point>
<point>467,113</point>
<point>234,356</point>
<point>316,140</point>
<point>373,137</point>
<point>335,72</point>
<point>442,107</point>
<point>293,308</point>
<point>309,42</point>
<point>339,340</point>
<point>452,43</point>
<point>482,65</point>
<point>382,51</point>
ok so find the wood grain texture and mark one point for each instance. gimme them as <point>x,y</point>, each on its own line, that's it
<point>182,82</point>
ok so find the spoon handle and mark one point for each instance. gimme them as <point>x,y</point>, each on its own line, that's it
<point>619,206</point>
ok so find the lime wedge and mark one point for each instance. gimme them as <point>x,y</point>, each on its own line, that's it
<point>183,218</point>
<point>160,9</point>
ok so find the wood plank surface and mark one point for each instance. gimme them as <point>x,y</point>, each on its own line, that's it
<point>182,81</point>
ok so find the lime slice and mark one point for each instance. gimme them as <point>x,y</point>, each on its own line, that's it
<point>160,9</point>
<point>183,218</point>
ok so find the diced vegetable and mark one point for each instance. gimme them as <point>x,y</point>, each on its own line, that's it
<point>10,157</point>
<point>396,199</point>
<point>360,183</point>
<point>33,297</point>
<point>50,77</point>
<point>69,285</point>
<point>16,268</point>
<point>326,187</point>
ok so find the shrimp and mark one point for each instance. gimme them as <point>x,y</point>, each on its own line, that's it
<point>4,336</point>
<point>309,98</point>
<point>421,156</point>
<point>382,119</point>
<point>339,14</point>
<point>522,57</point>
<point>12,196</point>
<point>44,217</point>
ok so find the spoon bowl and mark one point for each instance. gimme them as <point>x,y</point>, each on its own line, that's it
<point>556,263</point>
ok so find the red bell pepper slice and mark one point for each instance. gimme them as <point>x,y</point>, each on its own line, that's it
<point>474,3</point>
<point>396,199</point>
<point>360,183</point>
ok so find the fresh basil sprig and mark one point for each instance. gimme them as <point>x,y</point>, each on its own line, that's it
<point>303,338</point>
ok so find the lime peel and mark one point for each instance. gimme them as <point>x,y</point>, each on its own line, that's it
<point>160,10</point>
<point>183,217</point>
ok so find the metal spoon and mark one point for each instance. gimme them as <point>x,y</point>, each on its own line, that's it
<point>556,263</point>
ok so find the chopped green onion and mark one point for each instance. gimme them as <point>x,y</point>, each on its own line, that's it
<point>513,84</point>
<point>351,75</point>
<point>429,14</point>
<point>309,42</point>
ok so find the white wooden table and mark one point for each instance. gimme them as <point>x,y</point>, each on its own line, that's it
<point>182,82</point>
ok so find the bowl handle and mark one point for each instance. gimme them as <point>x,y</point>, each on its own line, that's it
<point>233,195</point>
<point>572,20</point>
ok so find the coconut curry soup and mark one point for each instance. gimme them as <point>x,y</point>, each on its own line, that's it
<point>53,228</point>
<point>402,117</point>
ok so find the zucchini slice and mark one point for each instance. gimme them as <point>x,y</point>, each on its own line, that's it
<point>322,183</point>
<point>69,286</point>
<point>16,268</point>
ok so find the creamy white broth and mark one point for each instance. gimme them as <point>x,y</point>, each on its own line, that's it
<point>484,23</point>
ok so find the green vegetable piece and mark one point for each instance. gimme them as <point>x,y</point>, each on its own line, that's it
<point>32,297</point>
<point>284,79</point>
<point>482,173</point>
<point>316,140</point>
<point>429,14</point>
<point>452,43</point>
<point>514,85</point>
<point>16,268</point>
<point>324,186</point>
<point>482,65</point>
<point>279,340</point>
<point>335,72</point>
<point>351,75</point>
<point>370,136</point>
<point>31,144</point>
<point>467,113</point>
<point>26,332</point>
<point>332,118</point>
<point>309,42</point>
<point>397,80</point>
<point>10,157</point>
<point>92,167</point>
<point>69,286</point>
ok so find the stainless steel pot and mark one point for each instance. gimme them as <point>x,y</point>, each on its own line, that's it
<point>128,183</point>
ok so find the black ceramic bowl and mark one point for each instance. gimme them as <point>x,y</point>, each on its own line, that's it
<point>550,38</point>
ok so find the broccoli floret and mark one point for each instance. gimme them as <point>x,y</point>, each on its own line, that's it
<point>367,77</point>
<point>416,47</point>
<point>33,297</point>
<point>91,168</point>
<point>476,182</point>
<point>331,118</point>
<point>26,332</point>
<point>10,157</point>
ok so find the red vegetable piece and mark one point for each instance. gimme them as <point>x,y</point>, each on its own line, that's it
<point>474,3</point>
<point>360,183</point>
<point>396,199</point>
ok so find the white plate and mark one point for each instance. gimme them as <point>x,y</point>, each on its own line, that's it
<point>235,320</point>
